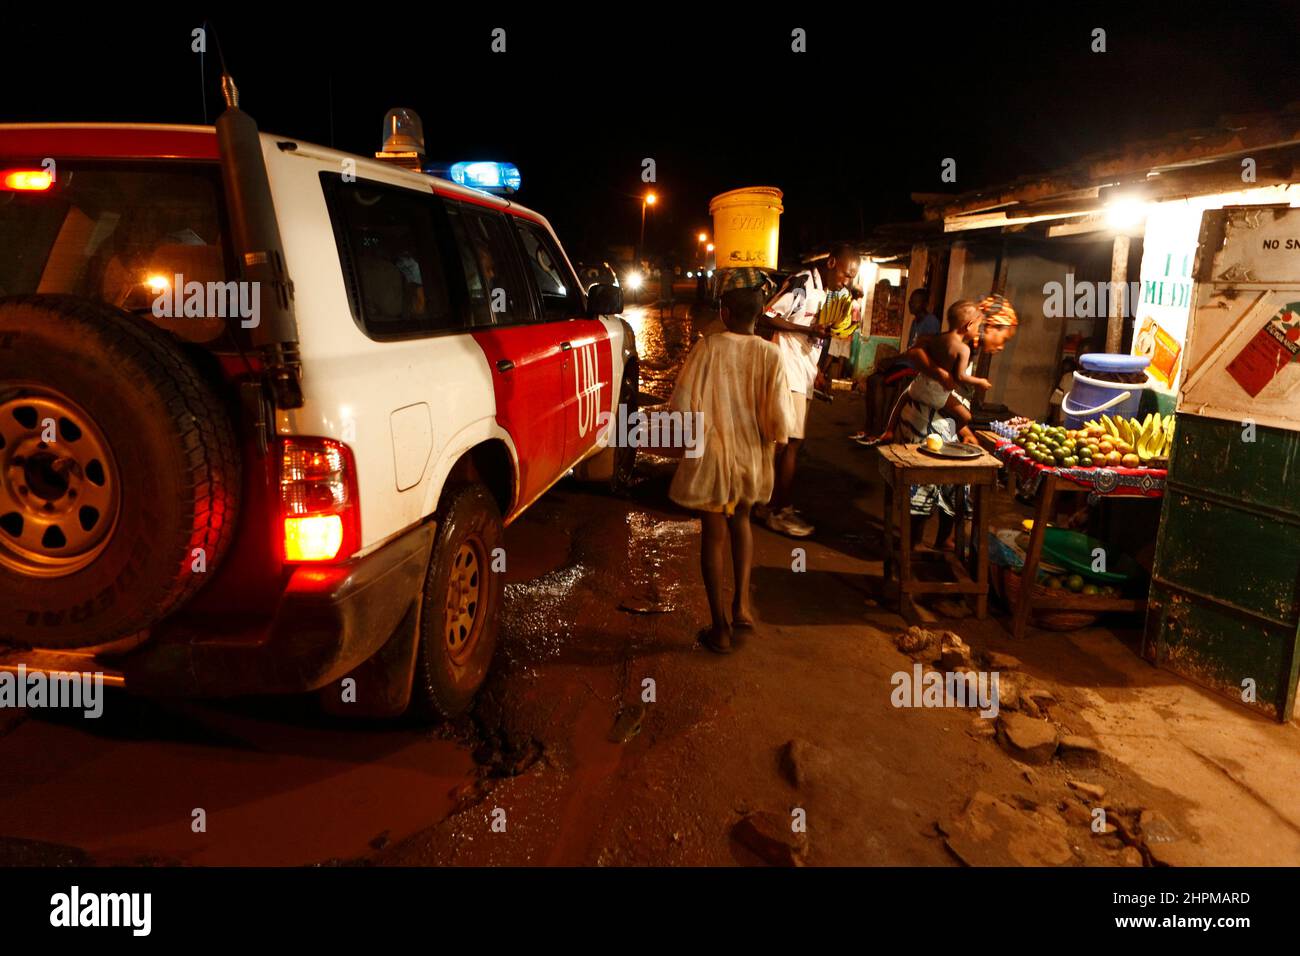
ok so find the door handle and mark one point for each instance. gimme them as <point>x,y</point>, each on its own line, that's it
<point>566,346</point>
<point>504,365</point>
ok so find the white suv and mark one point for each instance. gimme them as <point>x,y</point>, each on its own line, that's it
<point>265,409</point>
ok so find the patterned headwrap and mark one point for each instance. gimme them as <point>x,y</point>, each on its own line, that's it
<point>745,277</point>
<point>997,310</point>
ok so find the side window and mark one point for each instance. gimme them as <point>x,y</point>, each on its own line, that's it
<point>498,291</point>
<point>388,241</point>
<point>555,281</point>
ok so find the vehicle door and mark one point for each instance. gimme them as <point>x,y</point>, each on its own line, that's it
<point>524,354</point>
<point>588,363</point>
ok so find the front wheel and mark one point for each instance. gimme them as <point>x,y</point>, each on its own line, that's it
<point>462,598</point>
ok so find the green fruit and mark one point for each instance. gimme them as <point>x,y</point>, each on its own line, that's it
<point>1074,582</point>
<point>1085,462</point>
<point>1054,582</point>
<point>1070,461</point>
<point>1091,589</point>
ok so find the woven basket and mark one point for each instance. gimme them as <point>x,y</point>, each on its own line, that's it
<point>1046,618</point>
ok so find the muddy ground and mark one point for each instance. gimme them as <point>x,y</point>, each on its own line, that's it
<point>566,759</point>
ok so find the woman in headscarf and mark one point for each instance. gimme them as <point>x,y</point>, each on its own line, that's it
<point>927,408</point>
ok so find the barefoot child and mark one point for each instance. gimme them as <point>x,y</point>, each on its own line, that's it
<point>946,358</point>
<point>736,382</point>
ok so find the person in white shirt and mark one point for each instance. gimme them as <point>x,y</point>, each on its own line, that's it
<point>735,382</point>
<point>792,316</point>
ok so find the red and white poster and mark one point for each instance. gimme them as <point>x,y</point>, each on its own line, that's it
<point>1269,351</point>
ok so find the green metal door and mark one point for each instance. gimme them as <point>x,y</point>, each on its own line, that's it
<point>1225,594</point>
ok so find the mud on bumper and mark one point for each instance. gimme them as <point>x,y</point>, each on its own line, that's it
<point>330,621</point>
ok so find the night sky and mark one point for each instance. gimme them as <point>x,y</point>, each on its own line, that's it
<point>849,130</point>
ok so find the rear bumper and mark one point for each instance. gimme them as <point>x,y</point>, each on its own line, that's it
<point>330,620</point>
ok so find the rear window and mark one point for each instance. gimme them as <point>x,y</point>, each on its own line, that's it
<point>119,234</point>
<point>390,243</point>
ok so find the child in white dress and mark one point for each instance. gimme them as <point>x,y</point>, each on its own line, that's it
<point>736,382</point>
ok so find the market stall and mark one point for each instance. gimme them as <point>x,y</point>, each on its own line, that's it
<point>1062,569</point>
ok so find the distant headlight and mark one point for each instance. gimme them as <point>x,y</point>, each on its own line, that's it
<point>633,280</point>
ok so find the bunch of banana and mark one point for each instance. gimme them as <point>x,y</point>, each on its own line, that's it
<point>1150,438</point>
<point>837,312</point>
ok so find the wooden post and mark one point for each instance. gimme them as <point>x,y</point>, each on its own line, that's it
<point>1001,269</point>
<point>1118,293</point>
<point>957,258</point>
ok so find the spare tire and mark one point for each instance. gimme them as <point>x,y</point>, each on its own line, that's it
<point>119,473</point>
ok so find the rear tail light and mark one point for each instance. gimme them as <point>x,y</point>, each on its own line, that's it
<point>26,180</point>
<point>318,500</point>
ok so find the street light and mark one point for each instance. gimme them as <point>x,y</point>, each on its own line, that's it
<point>649,199</point>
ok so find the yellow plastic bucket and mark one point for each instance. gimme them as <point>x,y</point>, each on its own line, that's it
<point>746,227</point>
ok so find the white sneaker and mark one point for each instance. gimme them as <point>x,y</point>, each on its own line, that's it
<point>787,521</point>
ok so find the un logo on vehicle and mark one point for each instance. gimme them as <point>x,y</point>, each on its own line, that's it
<point>586,386</point>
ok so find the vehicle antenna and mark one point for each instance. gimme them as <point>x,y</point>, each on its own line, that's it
<point>229,92</point>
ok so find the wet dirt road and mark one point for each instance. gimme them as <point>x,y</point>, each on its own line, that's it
<point>607,735</point>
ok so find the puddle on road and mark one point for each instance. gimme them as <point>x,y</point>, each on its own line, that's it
<point>537,616</point>
<point>653,545</point>
<point>662,345</point>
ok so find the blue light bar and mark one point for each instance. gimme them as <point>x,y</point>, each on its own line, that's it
<point>488,176</point>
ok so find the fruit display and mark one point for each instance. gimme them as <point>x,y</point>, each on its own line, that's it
<point>1109,442</point>
<point>837,312</point>
<point>1077,584</point>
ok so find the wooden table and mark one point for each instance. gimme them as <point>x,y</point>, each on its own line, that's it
<point>1032,596</point>
<point>903,466</point>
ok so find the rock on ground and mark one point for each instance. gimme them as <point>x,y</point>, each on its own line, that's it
<point>992,832</point>
<point>915,640</point>
<point>1028,740</point>
<point>770,837</point>
<point>804,763</point>
<point>1076,751</point>
<point>954,653</point>
<point>1093,790</point>
<point>1002,662</point>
